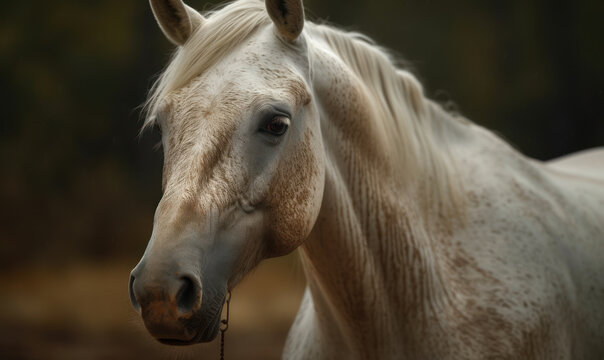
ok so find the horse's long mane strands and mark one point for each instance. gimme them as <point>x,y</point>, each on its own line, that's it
<point>408,118</point>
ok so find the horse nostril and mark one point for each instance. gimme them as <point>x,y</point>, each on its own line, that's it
<point>188,295</point>
<point>133,300</point>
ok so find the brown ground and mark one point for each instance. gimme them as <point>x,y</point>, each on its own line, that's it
<point>83,312</point>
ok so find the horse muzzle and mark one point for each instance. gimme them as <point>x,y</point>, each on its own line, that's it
<point>170,303</point>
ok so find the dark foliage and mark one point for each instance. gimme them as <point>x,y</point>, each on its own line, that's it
<point>77,182</point>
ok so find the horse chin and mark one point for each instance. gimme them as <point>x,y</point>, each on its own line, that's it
<point>203,327</point>
<point>210,332</point>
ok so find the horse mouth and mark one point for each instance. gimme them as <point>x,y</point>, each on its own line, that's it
<point>175,342</point>
<point>206,335</point>
<point>203,328</point>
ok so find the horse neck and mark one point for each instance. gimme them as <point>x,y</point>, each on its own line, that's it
<point>370,260</point>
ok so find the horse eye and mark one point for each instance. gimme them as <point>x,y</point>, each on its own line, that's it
<point>277,126</point>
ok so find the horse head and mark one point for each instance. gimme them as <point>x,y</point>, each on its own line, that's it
<point>243,163</point>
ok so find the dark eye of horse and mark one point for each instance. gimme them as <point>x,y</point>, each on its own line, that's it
<point>277,126</point>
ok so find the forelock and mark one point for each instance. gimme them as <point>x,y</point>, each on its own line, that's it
<point>224,29</point>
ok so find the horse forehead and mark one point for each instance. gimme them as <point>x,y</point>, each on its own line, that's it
<point>262,61</point>
<point>233,87</point>
<point>259,69</point>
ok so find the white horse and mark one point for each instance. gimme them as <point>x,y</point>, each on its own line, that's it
<point>422,235</point>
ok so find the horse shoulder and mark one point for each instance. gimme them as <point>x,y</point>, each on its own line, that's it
<point>528,258</point>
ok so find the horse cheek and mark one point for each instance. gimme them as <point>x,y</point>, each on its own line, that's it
<point>293,197</point>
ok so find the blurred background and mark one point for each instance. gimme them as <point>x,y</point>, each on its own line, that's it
<point>78,187</point>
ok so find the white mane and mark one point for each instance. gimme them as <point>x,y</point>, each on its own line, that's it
<point>413,124</point>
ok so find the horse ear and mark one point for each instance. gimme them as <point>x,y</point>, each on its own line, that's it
<point>288,16</point>
<point>177,20</point>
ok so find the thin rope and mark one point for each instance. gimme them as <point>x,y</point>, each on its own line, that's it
<point>224,325</point>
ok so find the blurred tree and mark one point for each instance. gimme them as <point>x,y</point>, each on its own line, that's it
<point>77,181</point>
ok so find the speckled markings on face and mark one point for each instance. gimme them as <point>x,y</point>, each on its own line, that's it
<point>291,196</point>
